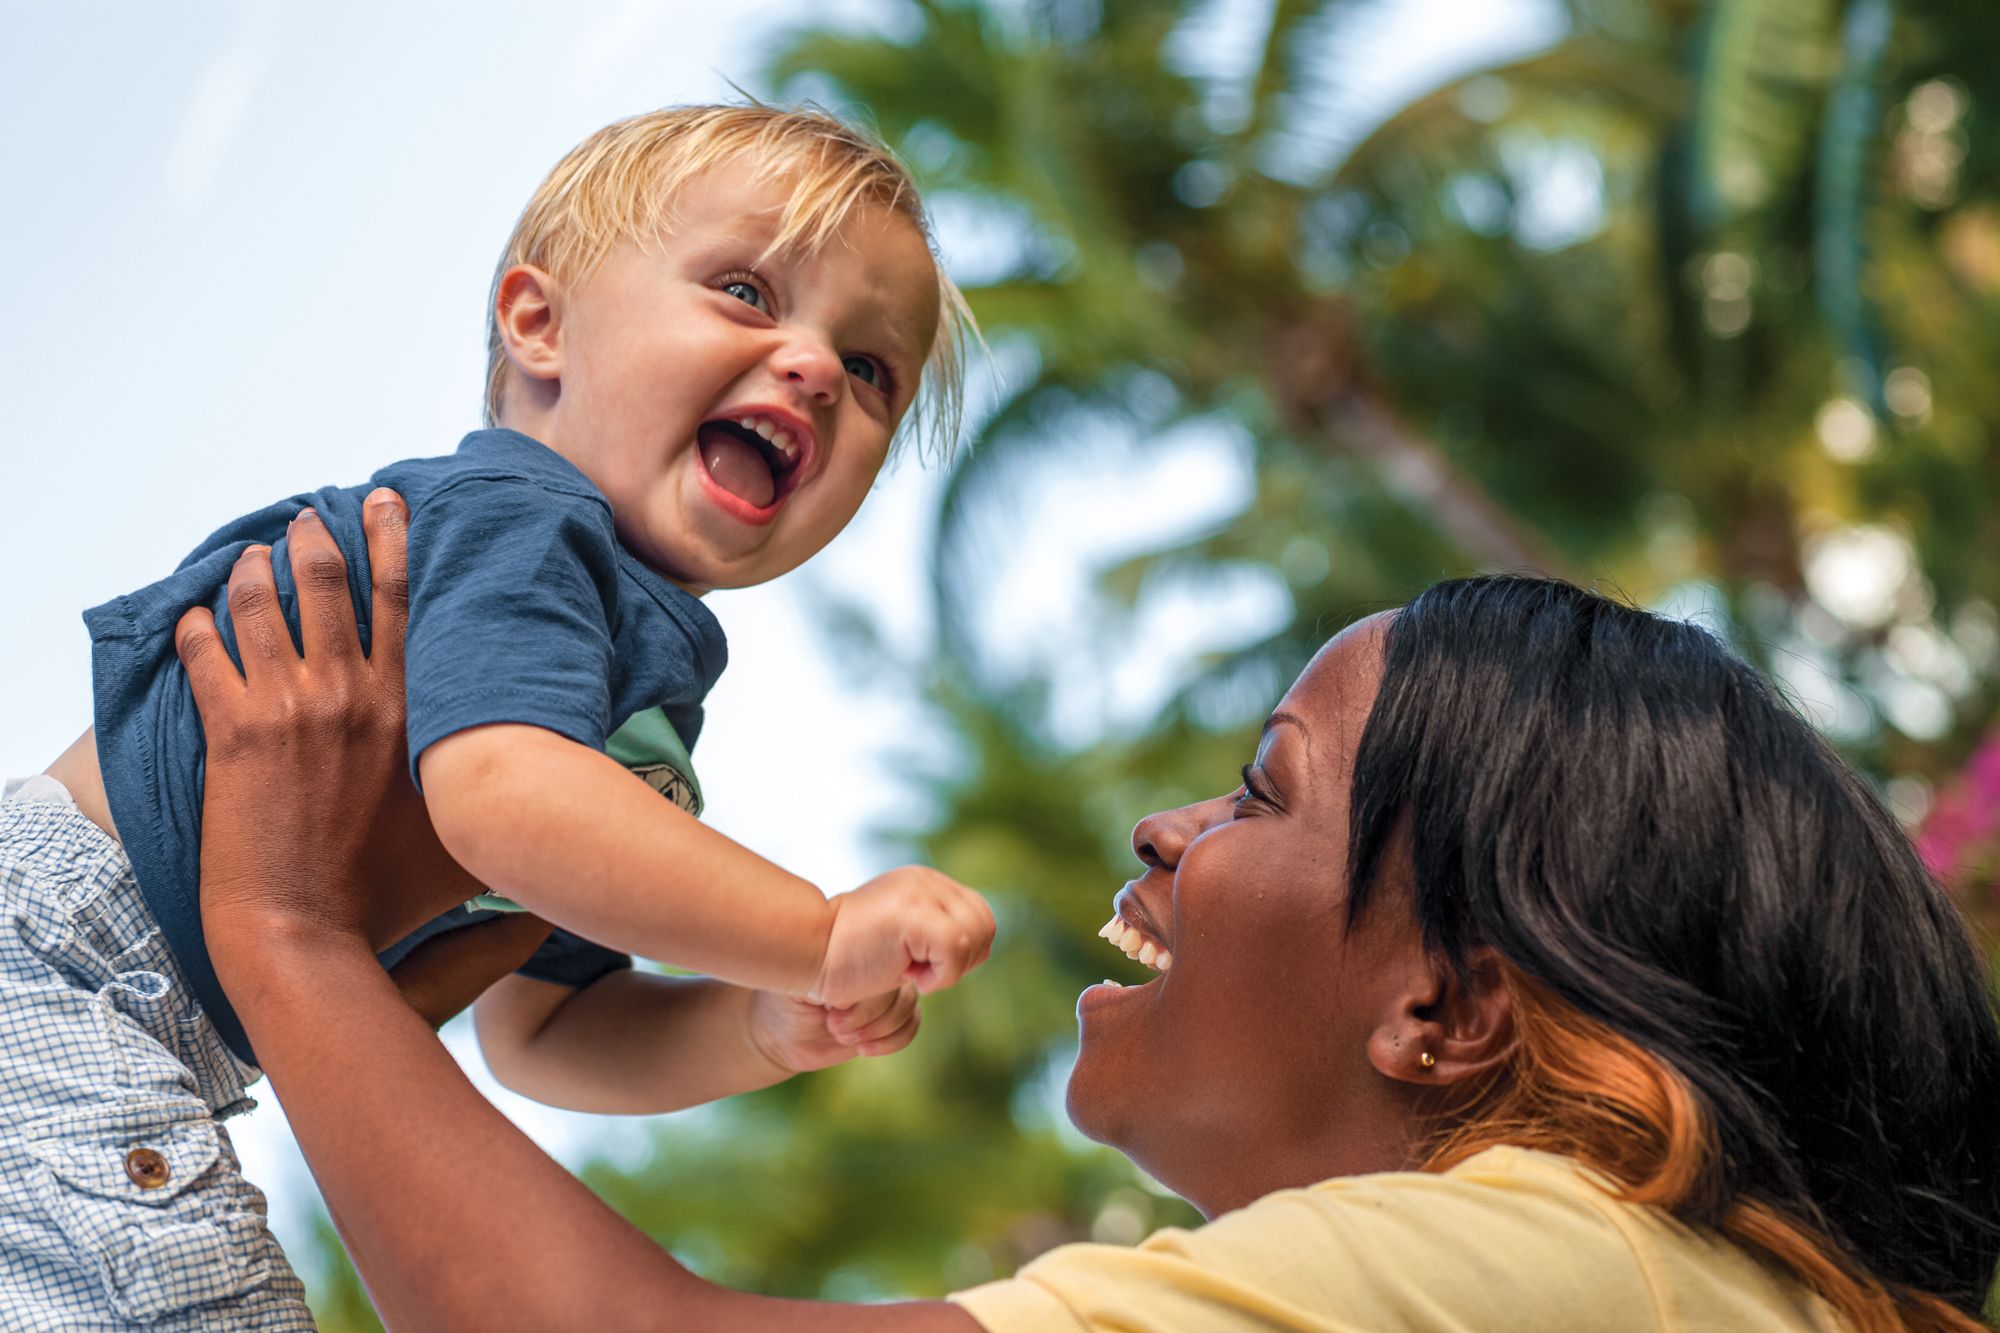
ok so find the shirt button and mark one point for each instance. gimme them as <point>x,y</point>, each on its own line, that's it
<point>148,1169</point>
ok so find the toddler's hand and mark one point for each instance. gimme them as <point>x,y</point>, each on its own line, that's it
<point>912,924</point>
<point>799,1036</point>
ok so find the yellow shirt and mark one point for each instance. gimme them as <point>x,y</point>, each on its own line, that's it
<point>1507,1240</point>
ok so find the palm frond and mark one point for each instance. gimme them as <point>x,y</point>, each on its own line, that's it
<point>1591,69</point>
<point>951,79</point>
<point>1760,72</point>
<point>1847,148</point>
<point>1277,68</point>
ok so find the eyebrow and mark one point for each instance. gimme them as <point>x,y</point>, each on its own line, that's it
<point>899,343</point>
<point>904,348</point>
<point>1282,719</point>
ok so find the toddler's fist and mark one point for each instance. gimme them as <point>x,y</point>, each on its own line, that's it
<point>911,924</point>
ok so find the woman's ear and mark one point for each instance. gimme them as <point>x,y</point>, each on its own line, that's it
<point>527,310</point>
<point>1448,1029</point>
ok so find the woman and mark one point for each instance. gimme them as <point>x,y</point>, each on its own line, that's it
<point>1545,972</point>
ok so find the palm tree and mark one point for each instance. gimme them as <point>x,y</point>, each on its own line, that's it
<point>1151,247</point>
<point>1680,301</point>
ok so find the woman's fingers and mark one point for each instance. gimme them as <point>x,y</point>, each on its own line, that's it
<point>263,640</point>
<point>213,676</point>
<point>326,611</point>
<point>386,522</point>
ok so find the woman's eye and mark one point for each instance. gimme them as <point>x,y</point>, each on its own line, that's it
<point>866,369</point>
<point>1252,793</point>
<point>749,293</point>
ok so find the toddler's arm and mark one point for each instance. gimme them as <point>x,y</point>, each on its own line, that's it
<point>569,834</point>
<point>637,1043</point>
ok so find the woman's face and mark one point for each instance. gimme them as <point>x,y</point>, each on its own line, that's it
<point>1246,1066</point>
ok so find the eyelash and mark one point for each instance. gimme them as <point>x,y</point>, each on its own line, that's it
<point>885,377</point>
<point>748,278</point>
<point>1251,791</point>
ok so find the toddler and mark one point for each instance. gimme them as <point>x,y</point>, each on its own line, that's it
<point>703,336</point>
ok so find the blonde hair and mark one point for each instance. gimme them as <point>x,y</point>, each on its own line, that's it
<point>619,185</point>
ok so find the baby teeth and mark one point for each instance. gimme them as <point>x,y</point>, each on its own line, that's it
<point>1164,961</point>
<point>1147,953</point>
<point>773,433</point>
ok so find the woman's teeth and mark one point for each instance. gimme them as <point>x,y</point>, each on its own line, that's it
<point>1135,946</point>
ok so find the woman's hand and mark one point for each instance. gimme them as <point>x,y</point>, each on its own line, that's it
<point>310,822</point>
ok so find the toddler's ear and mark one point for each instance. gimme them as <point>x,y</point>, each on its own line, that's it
<point>526,312</point>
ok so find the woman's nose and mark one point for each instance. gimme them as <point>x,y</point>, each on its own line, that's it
<point>1159,839</point>
<point>807,364</point>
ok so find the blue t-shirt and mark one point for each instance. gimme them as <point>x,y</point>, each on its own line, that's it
<point>524,607</point>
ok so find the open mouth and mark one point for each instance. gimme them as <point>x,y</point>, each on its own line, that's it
<point>1136,944</point>
<point>755,457</point>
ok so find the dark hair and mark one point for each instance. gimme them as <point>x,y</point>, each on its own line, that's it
<point>1632,818</point>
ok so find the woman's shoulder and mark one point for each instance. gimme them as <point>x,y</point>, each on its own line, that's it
<point>1546,1232</point>
<point>1508,1239</point>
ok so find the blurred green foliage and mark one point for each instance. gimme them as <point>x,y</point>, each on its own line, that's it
<point>1697,301</point>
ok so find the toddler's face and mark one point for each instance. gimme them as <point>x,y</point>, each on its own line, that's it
<point>735,408</point>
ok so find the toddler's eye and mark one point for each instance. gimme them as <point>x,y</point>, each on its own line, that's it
<point>866,369</point>
<point>749,293</point>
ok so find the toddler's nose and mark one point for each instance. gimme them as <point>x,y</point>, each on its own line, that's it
<point>812,367</point>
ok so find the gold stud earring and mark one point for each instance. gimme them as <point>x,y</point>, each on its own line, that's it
<point>1427,1060</point>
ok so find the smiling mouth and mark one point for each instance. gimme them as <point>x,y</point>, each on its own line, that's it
<point>1135,944</point>
<point>752,457</point>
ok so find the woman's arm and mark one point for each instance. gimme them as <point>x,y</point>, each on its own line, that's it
<point>454,1218</point>
<point>449,971</point>
<point>451,1214</point>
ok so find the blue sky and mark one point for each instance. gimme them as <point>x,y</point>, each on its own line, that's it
<point>250,246</point>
